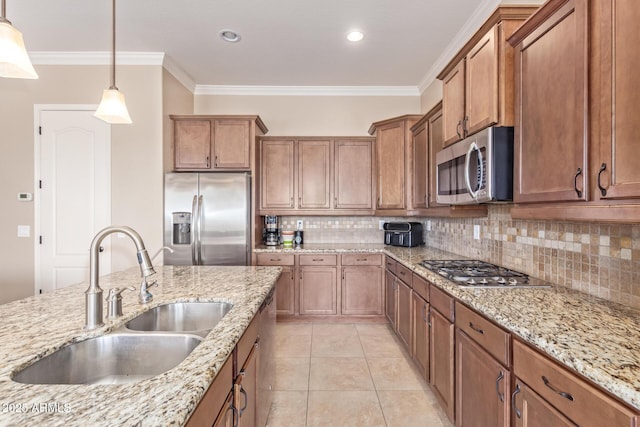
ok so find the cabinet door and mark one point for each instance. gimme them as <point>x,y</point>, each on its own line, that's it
<point>530,410</point>
<point>551,108</point>
<point>362,291</point>
<point>436,143</point>
<point>404,313</point>
<point>226,417</point>
<point>391,299</point>
<point>390,144</point>
<point>420,154</point>
<point>453,104</point>
<point>231,144</point>
<point>318,293</point>
<point>353,175</point>
<point>245,390</point>
<point>314,174</point>
<point>442,363</point>
<point>420,327</point>
<point>482,83</point>
<point>619,124</point>
<point>192,144</point>
<point>276,174</point>
<point>285,294</point>
<point>482,386</point>
<point>266,360</point>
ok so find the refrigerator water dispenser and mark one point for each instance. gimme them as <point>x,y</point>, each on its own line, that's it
<point>181,228</point>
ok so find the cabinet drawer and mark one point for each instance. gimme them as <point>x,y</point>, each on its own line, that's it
<point>275,259</point>
<point>421,286</point>
<point>214,398</point>
<point>403,274</point>
<point>441,302</point>
<point>490,337</point>
<point>362,259</point>
<point>318,259</point>
<point>580,401</point>
<point>390,264</point>
<point>246,343</point>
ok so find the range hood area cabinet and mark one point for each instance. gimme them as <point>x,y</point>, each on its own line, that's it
<point>215,143</point>
<point>478,82</point>
<point>582,163</point>
<point>316,175</point>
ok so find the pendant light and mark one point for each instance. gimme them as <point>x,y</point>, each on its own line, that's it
<point>14,61</point>
<point>112,108</point>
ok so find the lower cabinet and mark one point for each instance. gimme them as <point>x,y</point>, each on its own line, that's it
<point>361,290</point>
<point>421,329</point>
<point>482,386</point>
<point>530,410</point>
<point>245,389</point>
<point>441,350</point>
<point>404,313</point>
<point>286,297</point>
<point>318,293</point>
<point>226,417</point>
<point>266,361</point>
<point>391,298</point>
<point>215,402</point>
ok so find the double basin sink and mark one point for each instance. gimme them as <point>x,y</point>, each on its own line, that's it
<point>148,345</point>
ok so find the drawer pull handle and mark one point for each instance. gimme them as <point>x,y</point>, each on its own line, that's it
<point>429,318</point>
<point>275,259</point>
<point>475,328</point>
<point>555,390</point>
<point>424,313</point>
<point>500,377</point>
<point>513,401</point>
<point>361,259</point>
<point>318,259</point>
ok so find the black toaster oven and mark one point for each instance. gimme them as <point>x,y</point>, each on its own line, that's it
<point>407,234</point>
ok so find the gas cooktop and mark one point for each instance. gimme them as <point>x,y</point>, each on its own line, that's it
<point>480,274</point>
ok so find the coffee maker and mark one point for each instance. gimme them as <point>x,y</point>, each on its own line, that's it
<point>271,230</point>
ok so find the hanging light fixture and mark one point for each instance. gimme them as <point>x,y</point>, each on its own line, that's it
<point>14,61</point>
<point>112,108</point>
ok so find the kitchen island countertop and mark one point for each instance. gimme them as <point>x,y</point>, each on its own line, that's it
<point>597,338</point>
<point>37,326</point>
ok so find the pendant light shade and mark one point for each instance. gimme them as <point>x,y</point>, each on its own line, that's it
<point>14,61</point>
<point>112,108</point>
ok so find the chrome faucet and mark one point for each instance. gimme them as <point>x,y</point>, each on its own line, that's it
<point>145,296</point>
<point>93,294</point>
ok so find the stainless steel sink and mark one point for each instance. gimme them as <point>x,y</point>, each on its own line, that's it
<point>116,358</point>
<point>194,317</point>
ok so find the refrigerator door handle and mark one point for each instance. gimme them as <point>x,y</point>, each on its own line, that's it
<point>200,203</point>
<point>194,226</point>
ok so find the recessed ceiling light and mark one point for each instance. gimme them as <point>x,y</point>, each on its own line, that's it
<point>229,36</point>
<point>355,36</point>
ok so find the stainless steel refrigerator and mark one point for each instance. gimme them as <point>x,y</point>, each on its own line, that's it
<point>206,218</point>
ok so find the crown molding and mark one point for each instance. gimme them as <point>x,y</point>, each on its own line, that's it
<point>307,90</point>
<point>174,69</point>
<point>475,21</point>
<point>96,58</point>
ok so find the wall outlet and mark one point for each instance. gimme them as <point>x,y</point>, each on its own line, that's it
<point>381,224</point>
<point>299,224</point>
<point>476,232</point>
<point>428,225</point>
<point>24,231</point>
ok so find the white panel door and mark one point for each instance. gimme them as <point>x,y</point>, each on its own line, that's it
<point>75,195</point>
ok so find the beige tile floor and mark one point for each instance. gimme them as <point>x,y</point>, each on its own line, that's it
<point>339,375</point>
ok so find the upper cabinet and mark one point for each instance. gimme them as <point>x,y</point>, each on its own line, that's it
<point>478,82</point>
<point>577,133</point>
<point>215,142</point>
<point>393,163</point>
<point>316,176</point>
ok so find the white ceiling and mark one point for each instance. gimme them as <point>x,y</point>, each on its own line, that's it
<point>284,42</point>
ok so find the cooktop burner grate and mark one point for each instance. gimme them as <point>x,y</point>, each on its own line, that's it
<point>475,273</point>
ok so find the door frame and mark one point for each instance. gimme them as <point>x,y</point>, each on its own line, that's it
<point>37,226</point>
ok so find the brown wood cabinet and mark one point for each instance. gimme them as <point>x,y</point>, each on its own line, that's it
<point>266,362</point>
<point>214,404</point>
<point>215,142</point>
<point>285,286</point>
<point>361,285</point>
<point>436,143</point>
<point>552,63</point>
<point>403,306</point>
<point>394,167</point>
<point>421,164</point>
<point>420,327</point>
<point>316,176</point>
<point>317,284</point>
<point>482,386</point>
<point>441,350</point>
<point>530,410</point>
<point>226,417</point>
<point>391,298</point>
<point>478,82</point>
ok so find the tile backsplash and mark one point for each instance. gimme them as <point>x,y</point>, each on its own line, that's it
<point>599,259</point>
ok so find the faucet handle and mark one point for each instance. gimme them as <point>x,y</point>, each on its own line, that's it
<point>114,300</point>
<point>117,292</point>
<point>145,296</point>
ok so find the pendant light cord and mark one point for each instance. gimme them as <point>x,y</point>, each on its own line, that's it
<point>113,45</point>
<point>3,13</point>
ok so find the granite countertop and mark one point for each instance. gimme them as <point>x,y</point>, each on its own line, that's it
<point>597,338</point>
<point>37,326</point>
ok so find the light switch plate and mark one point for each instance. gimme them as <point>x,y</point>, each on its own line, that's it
<point>24,231</point>
<point>428,225</point>
<point>381,224</point>
<point>299,224</point>
<point>476,232</point>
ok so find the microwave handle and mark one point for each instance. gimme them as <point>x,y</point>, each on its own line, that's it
<point>474,193</point>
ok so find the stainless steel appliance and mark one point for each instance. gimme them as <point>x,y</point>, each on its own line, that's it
<point>479,274</point>
<point>407,234</point>
<point>271,230</point>
<point>206,218</point>
<point>478,169</point>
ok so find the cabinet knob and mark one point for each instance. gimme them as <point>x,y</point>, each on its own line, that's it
<point>207,159</point>
<point>215,161</point>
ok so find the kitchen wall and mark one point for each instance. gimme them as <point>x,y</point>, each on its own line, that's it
<point>599,259</point>
<point>136,156</point>
<point>176,99</point>
<point>311,115</point>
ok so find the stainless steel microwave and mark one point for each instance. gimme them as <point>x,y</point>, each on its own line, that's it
<point>478,169</point>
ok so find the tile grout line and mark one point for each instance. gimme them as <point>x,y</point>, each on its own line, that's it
<point>375,388</point>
